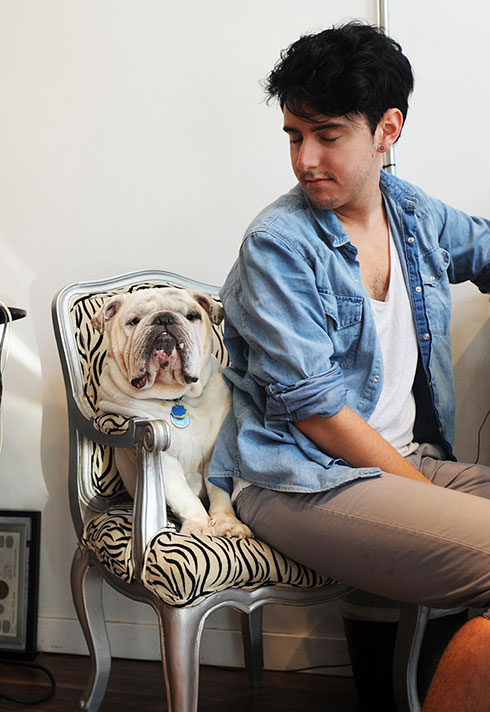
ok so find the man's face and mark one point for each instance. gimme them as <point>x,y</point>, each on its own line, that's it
<point>335,159</point>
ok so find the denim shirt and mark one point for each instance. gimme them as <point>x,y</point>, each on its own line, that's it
<point>302,338</point>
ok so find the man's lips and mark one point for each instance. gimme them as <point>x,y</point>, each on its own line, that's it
<point>317,181</point>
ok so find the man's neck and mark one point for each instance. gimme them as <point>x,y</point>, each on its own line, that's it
<point>362,213</point>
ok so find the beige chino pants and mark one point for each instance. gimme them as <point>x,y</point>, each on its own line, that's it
<point>389,535</point>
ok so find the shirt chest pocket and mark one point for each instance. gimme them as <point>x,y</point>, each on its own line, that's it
<point>433,270</point>
<point>343,321</point>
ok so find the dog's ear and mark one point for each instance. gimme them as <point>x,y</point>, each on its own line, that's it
<point>108,310</point>
<point>210,305</point>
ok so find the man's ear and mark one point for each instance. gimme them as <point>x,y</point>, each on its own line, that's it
<point>389,129</point>
<point>108,310</point>
<point>210,305</point>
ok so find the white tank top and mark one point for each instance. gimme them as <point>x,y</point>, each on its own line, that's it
<point>394,414</point>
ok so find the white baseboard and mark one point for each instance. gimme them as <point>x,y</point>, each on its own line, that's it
<point>218,647</point>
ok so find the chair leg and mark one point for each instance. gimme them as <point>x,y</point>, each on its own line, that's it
<point>410,635</point>
<point>180,635</point>
<point>86,586</point>
<point>252,645</point>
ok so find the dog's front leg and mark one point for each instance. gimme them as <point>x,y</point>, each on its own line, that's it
<point>183,501</point>
<point>223,519</point>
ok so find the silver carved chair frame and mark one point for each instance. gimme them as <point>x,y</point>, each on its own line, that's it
<point>134,548</point>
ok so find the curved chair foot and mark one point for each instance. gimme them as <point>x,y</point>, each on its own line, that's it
<point>86,586</point>
<point>409,638</point>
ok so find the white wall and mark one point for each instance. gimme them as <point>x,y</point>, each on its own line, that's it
<point>133,134</point>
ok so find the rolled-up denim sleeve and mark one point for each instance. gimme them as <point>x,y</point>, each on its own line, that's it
<point>276,307</point>
<point>323,394</point>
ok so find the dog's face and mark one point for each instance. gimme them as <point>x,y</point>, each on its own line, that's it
<point>159,340</point>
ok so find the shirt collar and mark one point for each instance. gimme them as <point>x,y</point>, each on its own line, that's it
<point>401,192</point>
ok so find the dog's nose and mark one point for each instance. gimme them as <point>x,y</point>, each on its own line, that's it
<point>164,319</point>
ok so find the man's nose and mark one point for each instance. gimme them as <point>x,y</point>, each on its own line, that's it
<point>308,156</point>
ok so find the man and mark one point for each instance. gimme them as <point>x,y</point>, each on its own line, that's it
<point>337,323</point>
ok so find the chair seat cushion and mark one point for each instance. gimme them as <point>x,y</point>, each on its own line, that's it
<point>181,570</point>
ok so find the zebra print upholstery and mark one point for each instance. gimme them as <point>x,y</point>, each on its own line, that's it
<point>180,570</point>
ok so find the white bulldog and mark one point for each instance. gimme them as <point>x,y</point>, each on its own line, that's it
<point>160,366</point>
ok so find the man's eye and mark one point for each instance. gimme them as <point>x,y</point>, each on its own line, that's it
<point>294,140</point>
<point>135,320</point>
<point>329,139</point>
<point>193,316</point>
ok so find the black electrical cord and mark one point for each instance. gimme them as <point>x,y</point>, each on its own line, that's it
<point>479,436</point>
<point>32,666</point>
<point>303,669</point>
<point>2,340</point>
<point>320,667</point>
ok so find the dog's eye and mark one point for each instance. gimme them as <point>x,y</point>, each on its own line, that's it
<point>193,315</point>
<point>135,320</point>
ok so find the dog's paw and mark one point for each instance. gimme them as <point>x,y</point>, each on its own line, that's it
<point>228,525</point>
<point>197,526</point>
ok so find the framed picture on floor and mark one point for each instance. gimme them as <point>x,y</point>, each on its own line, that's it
<point>19,583</point>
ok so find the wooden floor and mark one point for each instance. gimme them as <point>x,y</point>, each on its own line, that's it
<point>139,686</point>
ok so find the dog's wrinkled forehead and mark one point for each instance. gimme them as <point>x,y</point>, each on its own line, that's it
<point>152,301</point>
<point>126,308</point>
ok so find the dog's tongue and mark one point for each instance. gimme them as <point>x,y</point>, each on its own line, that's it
<point>139,382</point>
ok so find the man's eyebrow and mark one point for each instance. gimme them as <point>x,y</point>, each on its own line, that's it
<point>317,127</point>
<point>329,125</point>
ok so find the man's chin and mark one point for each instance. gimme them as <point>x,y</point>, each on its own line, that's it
<point>320,197</point>
<point>322,202</point>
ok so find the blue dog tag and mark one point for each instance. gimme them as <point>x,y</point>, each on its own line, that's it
<point>179,415</point>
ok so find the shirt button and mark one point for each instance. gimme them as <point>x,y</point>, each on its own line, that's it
<point>426,337</point>
<point>376,378</point>
<point>411,239</point>
<point>418,288</point>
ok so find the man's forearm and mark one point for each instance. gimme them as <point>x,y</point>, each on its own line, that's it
<point>346,435</point>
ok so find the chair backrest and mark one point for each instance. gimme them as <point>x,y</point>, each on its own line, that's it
<point>95,483</point>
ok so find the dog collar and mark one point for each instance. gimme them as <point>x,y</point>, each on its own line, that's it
<point>179,415</point>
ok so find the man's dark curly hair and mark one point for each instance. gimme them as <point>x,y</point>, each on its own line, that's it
<point>353,69</point>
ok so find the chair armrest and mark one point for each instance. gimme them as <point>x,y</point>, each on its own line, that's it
<point>149,438</point>
<point>150,506</point>
<point>85,424</point>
